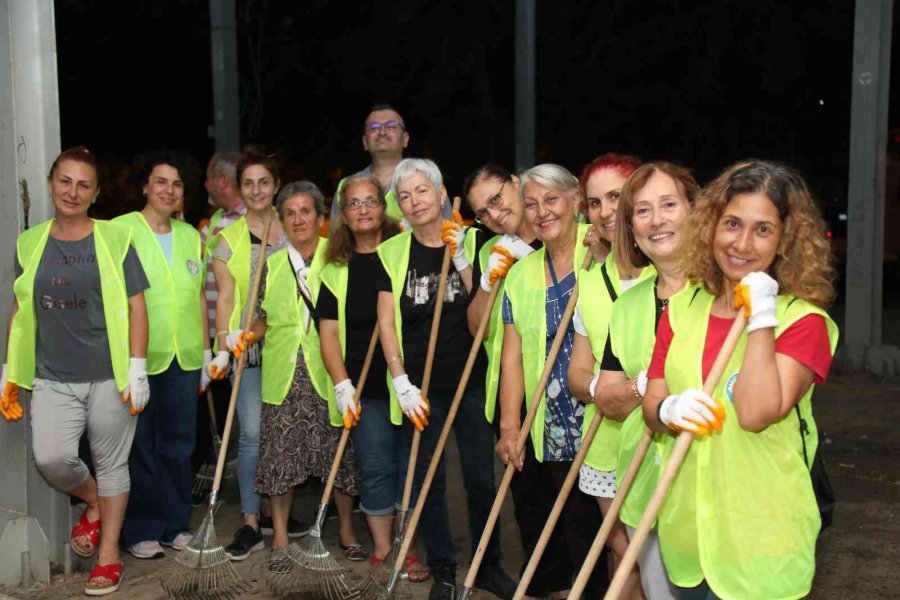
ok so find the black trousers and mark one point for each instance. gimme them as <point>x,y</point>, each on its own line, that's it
<point>534,491</point>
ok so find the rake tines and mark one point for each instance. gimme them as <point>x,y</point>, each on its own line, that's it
<point>307,569</point>
<point>202,571</point>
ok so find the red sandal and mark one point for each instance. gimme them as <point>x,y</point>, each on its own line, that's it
<point>111,573</point>
<point>417,575</point>
<point>88,529</point>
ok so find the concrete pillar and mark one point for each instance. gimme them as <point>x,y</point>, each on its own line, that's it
<point>226,109</point>
<point>526,85</point>
<point>34,519</point>
<point>865,204</point>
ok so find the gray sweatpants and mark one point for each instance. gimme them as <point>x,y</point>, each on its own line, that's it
<point>59,414</point>
<point>654,578</point>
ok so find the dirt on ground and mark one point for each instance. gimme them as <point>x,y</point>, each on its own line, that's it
<point>857,557</point>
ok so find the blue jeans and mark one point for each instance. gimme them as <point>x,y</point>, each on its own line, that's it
<point>475,440</point>
<point>160,461</point>
<point>381,453</point>
<point>701,592</point>
<point>249,409</point>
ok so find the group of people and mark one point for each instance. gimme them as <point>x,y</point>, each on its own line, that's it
<point>118,326</point>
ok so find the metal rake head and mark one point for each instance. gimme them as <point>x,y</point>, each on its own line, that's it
<point>307,570</point>
<point>202,571</point>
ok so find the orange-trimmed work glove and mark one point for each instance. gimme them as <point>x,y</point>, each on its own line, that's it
<point>218,367</point>
<point>454,235</point>
<point>238,341</point>
<point>344,394</point>
<point>757,293</point>
<point>692,410</point>
<point>137,391</point>
<point>411,402</point>
<point>10,407</point>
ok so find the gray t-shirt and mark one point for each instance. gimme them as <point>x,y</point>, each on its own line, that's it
<point>72,345</point>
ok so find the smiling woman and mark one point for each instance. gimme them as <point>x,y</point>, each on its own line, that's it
<point>170,251</point>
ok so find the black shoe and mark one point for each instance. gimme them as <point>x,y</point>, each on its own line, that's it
<point>246,540</point>
<point>492,578</point>
<point>444,586</point>
<point>296,529</point>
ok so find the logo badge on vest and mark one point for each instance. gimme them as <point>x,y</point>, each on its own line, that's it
<point>729,387</point>
<point>192,266</point>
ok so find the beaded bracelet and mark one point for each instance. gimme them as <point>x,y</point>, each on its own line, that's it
<point>393,359</point>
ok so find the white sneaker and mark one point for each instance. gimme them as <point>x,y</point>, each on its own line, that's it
<point>180,542</point>
<point>148,549</point>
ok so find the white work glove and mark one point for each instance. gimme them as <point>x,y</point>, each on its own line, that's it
<point>410,398</point>
<point>138,389</point>
<point>10,407</point>
<point>756,293</point>
<point>499,264</point>
<point>453,234</point>
<point>238,340</point>
<point>205,377</point>
<point>514,245</point>
<point>218,368</point>
<point>692,410</point>
<point>344,394</point>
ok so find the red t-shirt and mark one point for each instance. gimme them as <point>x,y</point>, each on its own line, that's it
<point>806,341</point>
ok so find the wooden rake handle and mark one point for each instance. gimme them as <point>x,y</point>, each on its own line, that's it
<point>241,361</point>
<point>345,434</point>
<point>682,445</point>
<point>536,400</point>
<point>609,520</point>
<point>558,506</point>
<point>426,374</point>
<point>448,425</point>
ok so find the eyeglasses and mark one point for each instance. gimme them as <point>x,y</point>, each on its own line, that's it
<point>493,203</point>
<point>354,205</point>
<point>389,126</point>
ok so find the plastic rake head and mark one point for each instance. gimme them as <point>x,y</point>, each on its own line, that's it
<point>202,571</point>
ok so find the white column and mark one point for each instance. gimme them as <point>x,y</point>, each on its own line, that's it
<point>865,204</point>
<point>33,518</point>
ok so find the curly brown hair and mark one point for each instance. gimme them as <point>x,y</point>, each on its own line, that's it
<point>341,241</point>
<point>803,264</point>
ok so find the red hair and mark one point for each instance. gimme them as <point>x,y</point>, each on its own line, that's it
<point>624,164</point>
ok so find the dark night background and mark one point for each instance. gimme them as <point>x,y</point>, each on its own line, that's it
<point>703,84</point>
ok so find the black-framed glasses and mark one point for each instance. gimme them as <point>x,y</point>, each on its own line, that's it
<point>389,126</point>
<point>354,205</point>
<point>493,203</point>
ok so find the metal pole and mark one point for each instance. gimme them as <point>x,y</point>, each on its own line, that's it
<point>526,88</point>
<point>223,42</point>
<point>868,149</point>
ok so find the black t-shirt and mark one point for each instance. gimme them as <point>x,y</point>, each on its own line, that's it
<point>417,309</point>
<point>361,313</point>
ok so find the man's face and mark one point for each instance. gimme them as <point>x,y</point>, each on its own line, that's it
<point>214,184</point>
<point>385,133</point>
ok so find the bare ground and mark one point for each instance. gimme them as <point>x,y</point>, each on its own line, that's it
<point>858,557</point>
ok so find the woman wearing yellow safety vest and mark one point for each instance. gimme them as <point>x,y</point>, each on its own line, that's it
<point>347,310</point>
<point>493,195</point>
<point>78,340</point>
<point>538,288</point>
<point>171,252</point>
<point>741,520</point>
<point>234,252</point>
<point>406,300</point>
<point>601,181</point>
<point>300,418</point>
<point>653,208</point>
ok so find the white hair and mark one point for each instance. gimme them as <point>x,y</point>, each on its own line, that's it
<point>410,166</point>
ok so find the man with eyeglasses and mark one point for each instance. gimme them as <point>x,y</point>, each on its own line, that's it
<point>384,137</point>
